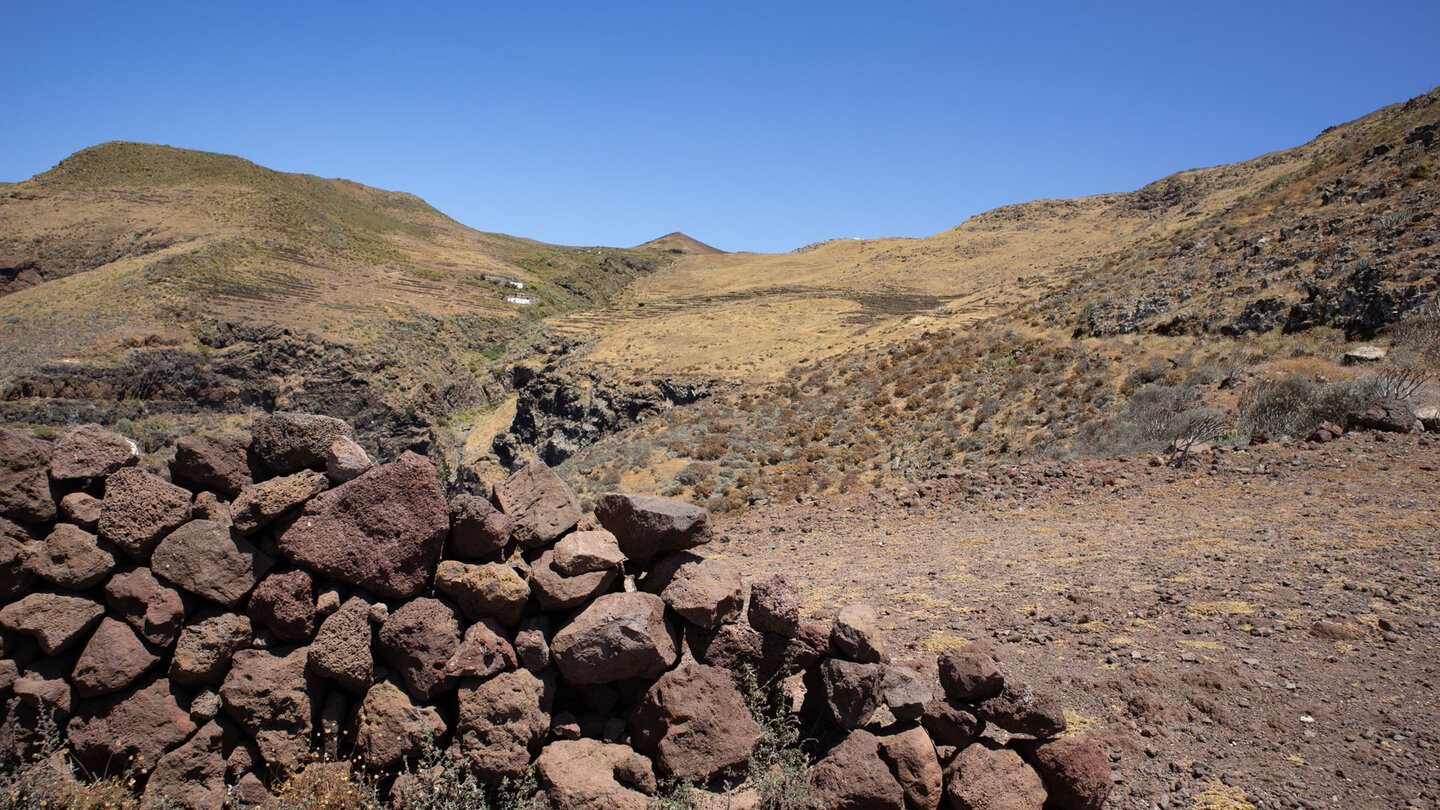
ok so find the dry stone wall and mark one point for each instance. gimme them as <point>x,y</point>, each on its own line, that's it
<point>284,597</point>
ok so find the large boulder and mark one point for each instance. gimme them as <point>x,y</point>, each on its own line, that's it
<point>985,778</point>
<point>617,637</point>
<point>25,478</point>
<point>503,721</point>
<point>139,509</point>
<point>737,647</point>
<point>852,776</point>
<point>912,758</point>
<point>215,463</point>
<point>492,590</point>
<point>555,591</point>
<point>138,726</point>
<point>905,693</point>
<point>15,574</point>
<point>856,635</point>
<point>81,509</point>
<point>72,558</point>
<point>585,774</point>
<point>259,505</point>
<point>285,603</point>
<point>951,723</point>
<point>346,461</point>
<point>268,693</point>
<point>417,640</point>
<point>1075,770</point>
<point>392,728</point>
<point>583,552</point>
<point>1389,415</point>
<point>89,452</point>
<point>205,648</point>
<point>705,593</point>
<point>775,605</point>
<point>208,560</point>
<point>647,526</point>
<point>113,659</point>
<point>55,620</point>
<point>694,723</point>
<point>154,609</point>
<point>341,649</point>
<point>191,777</point>
<point>477,528</point>
<point>483,652</point>
<point>44,687</point>
<point>1022,709</point>
<point>541,505</point>
<point>290,442</point>
<point>383,531</point>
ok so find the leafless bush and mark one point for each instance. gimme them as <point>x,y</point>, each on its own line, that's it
<point>1196,428</point>
<point>1398,383</point>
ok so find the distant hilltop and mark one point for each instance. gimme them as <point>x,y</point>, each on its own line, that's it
<point>680,243</point>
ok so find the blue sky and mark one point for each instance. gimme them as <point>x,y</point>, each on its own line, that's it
<point>749,125</point>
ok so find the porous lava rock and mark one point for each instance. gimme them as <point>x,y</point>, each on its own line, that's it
<point>215,463</point>
<point>71,557</point>
<point>856,635</point>
<point>617,637</point>
<point>140,508</point>
<point>541,506</point>
<point>268,693</point>
<point>1075,771</point>
<point>341,650</point>
<point>417,640</point>
<point>584,774</point>
<point>694,723</point>
<point>153,608</point>
<point>910,753</point>
<point>25,478</point>
<point>555,591</point>
<point>55,620</point>
<point>852,776</point>
<point>137,726</point>
<point>208,560</point>
<point>503,720</point>
<point>477,528</point>
<point>383,531</point>
<point>985,778</point>
<point>491,590</point>
<point>191,777</point>
<point>112,659</point>
<point>775,605</point>
<point>391,727</point>
<point>583,552</point>
<point>706,593</point>
<point>206,648</point>
<point>851,690</point>
<point>259,505</point>
<point>969,675</point>
<point>1022,709</point>
<point>91,452</point>
<point>290,442</point>
<point>285,603</point>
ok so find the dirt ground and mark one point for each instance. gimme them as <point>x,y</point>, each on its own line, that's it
<point>1262,628</point>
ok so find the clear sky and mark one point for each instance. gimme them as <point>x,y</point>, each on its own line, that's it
<point>749,125</point>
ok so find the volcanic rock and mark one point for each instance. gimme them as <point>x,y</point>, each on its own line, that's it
<point>341,649</point>
<point>583,552</point>
<point>346,461</point>
<point>1075,770</point>
<point>384,531</point>
<point>290,442</point>
<point>81,509</point>
<point>286,604</point>
<point>137,726</point>
<point>483,652</point>
<point>392,728</point>
<point>705,593</point>
<point>584,774</point>
<point>647,526</point>
<point>857,635</point>
<point>55,620</point>
<point>15,574</point>
<point>258,505</point>
<point>969,675</point>
<point>911,756</point>
<point>503,721</point>
<point>1022,709</point>
<point>489,590</point>
<point>268,694</point>
<point>477,528</point>
<point>555,591</point>
<point>206,648</point>
<point>851,690</point>
<point>113,659</point>
<point>854,777</point>
<point>951,723</point>
<point>775,605</point>
<point>618,636</point>
<point>90,451</point>
<point>139,509</point>
<point>694,722</point>
<point>71,558</point>
<point>417,640</point>
<point>541,505</point>
<point>905,693</point>
<point>25,478</point>
<point>984,778</point>
<point>191,777</point>
<point>216,463</point>
<point>154,609</point>
<point>206,559</point>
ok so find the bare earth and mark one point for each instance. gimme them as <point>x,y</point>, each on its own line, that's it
<point>1266,622</point>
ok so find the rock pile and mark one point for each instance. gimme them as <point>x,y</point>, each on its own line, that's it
<point>285,597</point>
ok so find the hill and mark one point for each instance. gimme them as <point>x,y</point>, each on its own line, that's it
<point>140,272</point>
<point>680,243</point>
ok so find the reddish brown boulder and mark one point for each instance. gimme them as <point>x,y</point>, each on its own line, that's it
<point>532,643</point>
<point>969,675</point>
<point>1022,709</point>
<point>44,687</point>
<point>259,505</point>
<point>81,509</point>
<point>139,509</point>
<point>287,443</point>
<point>341,649</point>
<point>856,635</point>
<point>71,558</point>
<point>285,603</point>
<point>583,552</point>
<point>89,452</point>
<point>269,695</point>
<point>152,608</point>
<point>25,478</point>
<point>541,505</point>
<point>216,463</point>
<point>1391,415</point>
<point>113,659</point>
<point>477,529</point>
<point>392,728</point>
<point>585,774</point>
<point>854,777</point>
<point>618,636</point>
<point>851,690</point>
<point>736,647</point>
<point>139,726</point>
<point>912,759</point>
<point>1075,770</point>
<point>417,640</point>
<point>905,693</point>
<point>483,652</point>
<point>205,649</point>
<point>502,722</point>
<point>984,778</point>
<point>555,591</point>
<point>647,526</point>
<point>208,560</point>
<point>775,605</point>
<point>55,620</point>
<point>705,593</point>
<point>192,777</point>
<point>694,723</point>
<point>490,590</point>
<point>382,532</point>
<point>951,723</point>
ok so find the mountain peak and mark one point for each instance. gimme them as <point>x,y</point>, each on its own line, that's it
<point>681,243</point>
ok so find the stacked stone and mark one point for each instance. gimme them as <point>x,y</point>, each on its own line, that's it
<point>285,598</point>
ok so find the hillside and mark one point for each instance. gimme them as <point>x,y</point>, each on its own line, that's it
<point>136,272</point>
<point>680,243</point>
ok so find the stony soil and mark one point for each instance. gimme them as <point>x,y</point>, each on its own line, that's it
<point>1264,625</point>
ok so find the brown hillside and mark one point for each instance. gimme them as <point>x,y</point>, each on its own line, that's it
<point>680,243</point>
